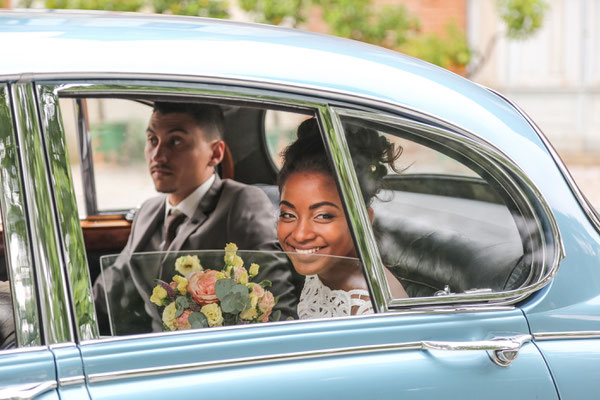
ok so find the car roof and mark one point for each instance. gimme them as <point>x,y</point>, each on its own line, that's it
<point>98,44</point>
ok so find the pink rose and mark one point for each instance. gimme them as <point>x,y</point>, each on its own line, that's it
<point>202,286</point>
<point>258,290</point>
<point>182,322</point>
<point>266,304</point>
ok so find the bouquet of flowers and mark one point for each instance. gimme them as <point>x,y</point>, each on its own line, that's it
<point>199,298</point>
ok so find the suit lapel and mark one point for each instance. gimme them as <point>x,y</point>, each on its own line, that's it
<point>205,207</point>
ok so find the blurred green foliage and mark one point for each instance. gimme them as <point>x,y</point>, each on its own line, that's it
<point>446,51</point>
<point>391,26</point>
<point>522,17</point>
<point>388,25</point>
<point>277,12</point>
<point>111,5</point>
<point>202,8</point>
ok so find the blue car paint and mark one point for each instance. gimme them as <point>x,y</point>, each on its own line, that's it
<point>192,47</point>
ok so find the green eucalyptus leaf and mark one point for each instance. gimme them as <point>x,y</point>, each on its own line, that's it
<point>234,303</point>
<point>181,304</point>
<point>198,320</point>
<point>223,287</point>
<point>275,316</point>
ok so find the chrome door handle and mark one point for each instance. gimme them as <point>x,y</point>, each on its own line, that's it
<point>27,391</point>
<point>502,350</point>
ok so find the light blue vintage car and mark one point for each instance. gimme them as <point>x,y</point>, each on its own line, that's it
<point>494,243</point>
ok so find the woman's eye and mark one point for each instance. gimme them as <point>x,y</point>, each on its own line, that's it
<point>325,216</point>
<point>175,141</point>
<point>285,215</point>
<point>152,140</point>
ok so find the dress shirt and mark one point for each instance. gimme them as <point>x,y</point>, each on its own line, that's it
<point>189,205</point>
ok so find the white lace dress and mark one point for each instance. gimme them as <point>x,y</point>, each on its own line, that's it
<point>319,301</point>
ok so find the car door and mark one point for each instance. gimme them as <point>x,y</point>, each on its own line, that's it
<point>458,345</point>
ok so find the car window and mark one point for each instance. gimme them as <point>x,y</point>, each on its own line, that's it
<point>125,260</point>
<point>441,222</point>
<point>111,174</point>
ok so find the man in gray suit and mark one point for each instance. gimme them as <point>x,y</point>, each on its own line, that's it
<point>184,145</point>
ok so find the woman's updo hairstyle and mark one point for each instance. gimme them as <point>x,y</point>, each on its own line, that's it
<point>371,155</point>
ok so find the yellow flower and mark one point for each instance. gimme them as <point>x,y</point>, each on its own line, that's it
<point>220,275</point>
<point>182,284</point>
<point>249,314</point>
<point>186,265</point>
<point>253,270</point>
<point>213,314</point>
<point>230,251</point>
<point>158,295</point>
<point>168,315</point>
<point>237,261</point>
<point>253,300</point>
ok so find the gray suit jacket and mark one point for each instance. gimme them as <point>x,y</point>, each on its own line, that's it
<point>229,212</point>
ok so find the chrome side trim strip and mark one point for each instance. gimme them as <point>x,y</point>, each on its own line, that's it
<point>26,391</point>
<point>72,380</point>
<point>566,335</point>
<point>236,362</point>
<point>588,209</point>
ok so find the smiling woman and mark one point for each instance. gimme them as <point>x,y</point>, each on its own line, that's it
<point>312,221</point>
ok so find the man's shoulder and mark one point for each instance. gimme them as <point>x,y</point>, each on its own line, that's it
<point>151,204</point>
<point>243,192</point>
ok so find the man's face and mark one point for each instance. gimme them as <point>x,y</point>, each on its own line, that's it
<point>179,156</point>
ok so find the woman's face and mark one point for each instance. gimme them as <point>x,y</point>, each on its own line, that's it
<point>312,221</point>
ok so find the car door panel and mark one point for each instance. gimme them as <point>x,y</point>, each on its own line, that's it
<point>381,353</point>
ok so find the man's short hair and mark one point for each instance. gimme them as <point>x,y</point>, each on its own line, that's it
<point>209,117</point>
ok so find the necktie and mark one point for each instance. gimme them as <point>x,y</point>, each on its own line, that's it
<point>173,221</point>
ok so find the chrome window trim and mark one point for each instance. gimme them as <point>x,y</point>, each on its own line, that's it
<point>237,362</point>
<point>84,140</point>
<point>18,254</point>
<point>73,249</point>
<point>306,98</point>
<point>592,214</point>
<point>42,220</point>
<point>541,336</point>
<point>356,211</point>
<point>19,350</point>
<point>490,155</point>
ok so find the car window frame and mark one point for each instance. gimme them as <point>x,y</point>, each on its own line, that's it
<point>329,111</point>
<point>497,163</point>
